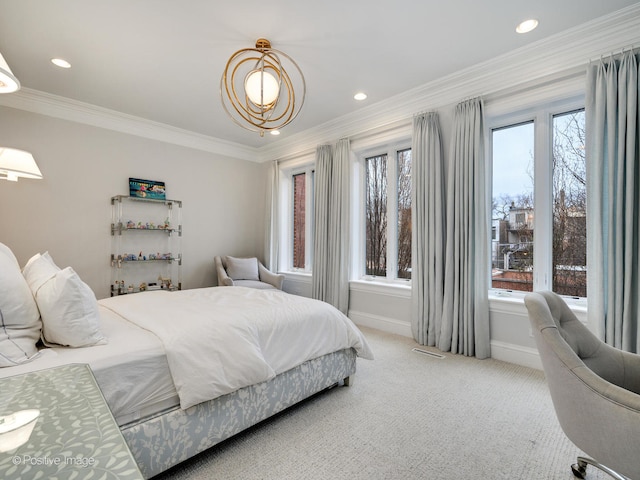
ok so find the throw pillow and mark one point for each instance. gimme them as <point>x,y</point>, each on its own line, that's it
<point>242,268</point>
<point>69,310</point>
<point>19,317</point>
<point>38,270</point>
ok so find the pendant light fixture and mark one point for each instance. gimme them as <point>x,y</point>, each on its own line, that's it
<point>262,89</point>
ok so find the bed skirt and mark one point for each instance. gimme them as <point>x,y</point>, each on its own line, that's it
<point>168,438</point>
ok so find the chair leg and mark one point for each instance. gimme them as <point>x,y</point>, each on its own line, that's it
<point>580,469</point>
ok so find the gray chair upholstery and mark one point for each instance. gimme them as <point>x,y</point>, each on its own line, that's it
<point>595,388</point>
<point>264,278</point>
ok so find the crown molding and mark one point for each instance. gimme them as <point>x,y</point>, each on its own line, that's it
<point>555,57</point>
<point>67,109</point>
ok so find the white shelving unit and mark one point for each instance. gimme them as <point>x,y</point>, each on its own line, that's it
<point>145,244</point>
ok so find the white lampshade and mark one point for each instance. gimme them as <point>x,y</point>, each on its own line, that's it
<point>261,87</point>
<point>8,82</point>
<point>17,163</point>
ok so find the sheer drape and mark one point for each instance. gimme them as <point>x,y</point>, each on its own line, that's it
<point>428,231</point>
<point>330,280</point>
<point>272,243</point>
<point>613,199</point>
<point>465,323</point>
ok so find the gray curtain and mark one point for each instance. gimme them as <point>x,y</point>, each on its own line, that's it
<point>427,229</point>
<point>272,243</point>
<point>465,322</point>
<point>613,199</point>
<point>330,279</point>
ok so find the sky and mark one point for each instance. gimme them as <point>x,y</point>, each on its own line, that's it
<point>513,160</point>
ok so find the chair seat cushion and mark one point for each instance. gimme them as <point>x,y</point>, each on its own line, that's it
<point>254,284</point>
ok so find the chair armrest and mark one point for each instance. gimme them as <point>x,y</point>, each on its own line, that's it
<point>631,371</point>
<point>223,279</point>
<point>268,276</point>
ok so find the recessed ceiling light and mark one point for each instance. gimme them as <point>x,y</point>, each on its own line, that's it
<point>360,96</point>
<point>275,132</point>
<point>527,25</point>
<point>59,62</point>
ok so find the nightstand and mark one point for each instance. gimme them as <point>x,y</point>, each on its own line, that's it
<point>75,434</point>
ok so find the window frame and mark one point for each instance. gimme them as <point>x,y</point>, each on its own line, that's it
<point>541,115</point>
<point>391,150</point>
<point>286,215</point>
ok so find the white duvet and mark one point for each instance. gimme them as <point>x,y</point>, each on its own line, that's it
<point>218,339</point>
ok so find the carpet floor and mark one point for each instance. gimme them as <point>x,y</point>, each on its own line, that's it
<point>406,416</point>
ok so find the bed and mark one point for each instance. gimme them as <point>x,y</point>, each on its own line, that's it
<point>182,371</point>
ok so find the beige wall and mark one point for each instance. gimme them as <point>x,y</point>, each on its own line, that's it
<point>68,213</point>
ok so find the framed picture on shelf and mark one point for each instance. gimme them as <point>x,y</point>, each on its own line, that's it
<point>149,189</point>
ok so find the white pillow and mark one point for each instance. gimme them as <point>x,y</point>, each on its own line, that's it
<point>38,270</point>
<point>242,268</point>
<point>69,311</point>
<point>19,317</point>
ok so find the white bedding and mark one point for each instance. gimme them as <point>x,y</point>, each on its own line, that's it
<point>218,340</point>
<point>131,368</point>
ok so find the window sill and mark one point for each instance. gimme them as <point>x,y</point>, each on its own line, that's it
<point>297,276</point>
<point>512,301</point>
<point>381,287</point>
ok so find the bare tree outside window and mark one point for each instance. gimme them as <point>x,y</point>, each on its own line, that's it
<point>376,215</point>
<point>404,214</point>
<point>569,205</point>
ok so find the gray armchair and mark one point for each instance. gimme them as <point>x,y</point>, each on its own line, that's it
<point>595,388</point>
<point>246,272</point>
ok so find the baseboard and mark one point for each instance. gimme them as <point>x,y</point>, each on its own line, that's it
<point>506,352</point>
<point>509,352</point>
<point>385,324</point>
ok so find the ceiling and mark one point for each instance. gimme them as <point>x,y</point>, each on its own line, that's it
<point>161,60</point>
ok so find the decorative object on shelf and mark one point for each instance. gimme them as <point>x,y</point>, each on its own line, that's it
<point>258,88</point>
<point>8,81</point>
<point>131,225</point>
<point>16,163</point>
<point>165,282</point>
<point>149,189</point>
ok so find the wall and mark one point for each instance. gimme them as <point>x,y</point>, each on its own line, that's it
<point>68,212</point>
<point>389,309</point>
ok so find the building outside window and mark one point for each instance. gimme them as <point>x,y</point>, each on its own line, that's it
<point>540,241</point>
<point>387,211</point>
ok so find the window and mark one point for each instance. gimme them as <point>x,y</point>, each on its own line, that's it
<point>297,195</point>
<point>569,205</point>
<point>376,213</point>
<point>404,214</point>
<point>387,212</point>
<point>540,240</point>
<point>299,219</point>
